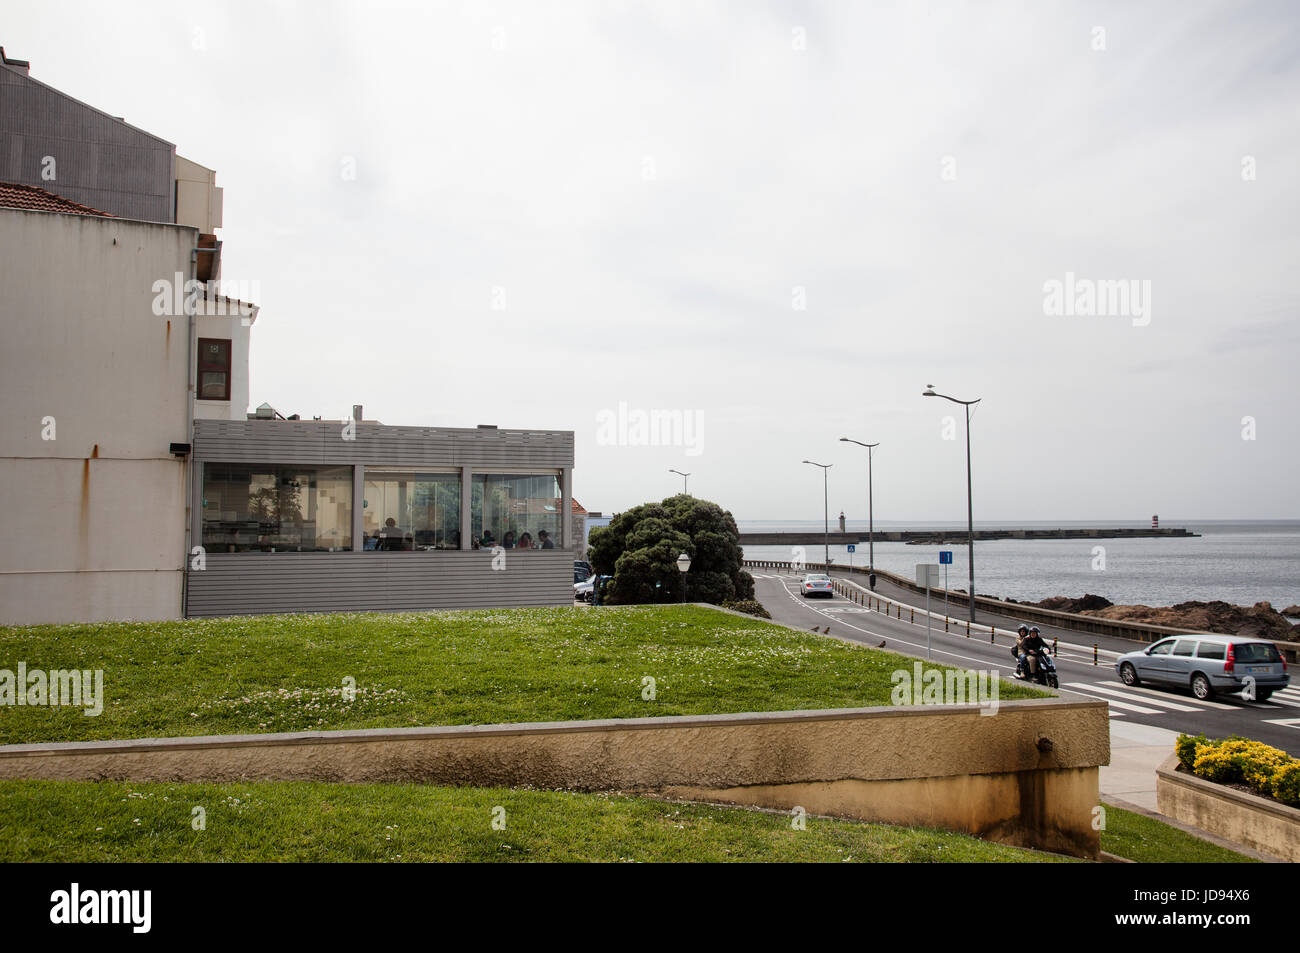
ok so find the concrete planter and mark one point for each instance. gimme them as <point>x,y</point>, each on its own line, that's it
<point>1258,822</point>
<point>1025,776</point>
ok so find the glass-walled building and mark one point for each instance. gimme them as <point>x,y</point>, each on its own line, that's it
<point>318,516</point>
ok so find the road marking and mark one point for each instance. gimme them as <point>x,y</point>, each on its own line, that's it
<point>1175,706</point>
<point>1274,700</point>
<point>1118,704</point>
<point>1285,722</point>
<point>1183,699</point>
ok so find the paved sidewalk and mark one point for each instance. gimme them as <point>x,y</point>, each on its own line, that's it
<point>1135,753</point>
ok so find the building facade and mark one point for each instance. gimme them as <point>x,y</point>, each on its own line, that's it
<point>138,487</point>
<point>347,515</point>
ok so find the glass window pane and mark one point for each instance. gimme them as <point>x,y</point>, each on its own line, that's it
<point>409,510</point>
<point>213,385</point>
<point>268,508</point>
<point>516,511</point>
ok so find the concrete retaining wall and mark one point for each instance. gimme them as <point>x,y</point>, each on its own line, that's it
<point>1258,822</point>
<point>1025,776</point>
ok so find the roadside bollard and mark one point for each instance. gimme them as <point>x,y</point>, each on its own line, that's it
<point>968,628</point>
<point>991,630</point>
<point>910,619</point>
<point>1054,648</point>
<point>1094,653</point>
<point>945,625</point>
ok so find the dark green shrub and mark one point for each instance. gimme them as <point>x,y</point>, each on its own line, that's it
<point>748,606</point>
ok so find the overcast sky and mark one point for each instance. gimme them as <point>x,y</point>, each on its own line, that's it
<point>780,220</point>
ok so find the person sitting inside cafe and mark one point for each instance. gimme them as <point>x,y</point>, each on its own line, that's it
<point>390,536</point>
<point>546,541</point>
<point>508,540</point>
<point>525,542</point>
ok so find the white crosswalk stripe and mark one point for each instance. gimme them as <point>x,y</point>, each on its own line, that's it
<point>1082,688</point>
<point>1182,699</point>
<point>1171,705</point>
<point>1286,722</point>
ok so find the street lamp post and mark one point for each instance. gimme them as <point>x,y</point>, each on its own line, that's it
<point>683,567</point>
<point>871,519</point>
<point>826,511</point>
<point>683,476</point>
<point>970,520</point>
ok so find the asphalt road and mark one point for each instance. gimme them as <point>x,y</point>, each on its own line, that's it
<point>1275,722</point>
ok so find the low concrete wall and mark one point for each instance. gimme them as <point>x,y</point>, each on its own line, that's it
<point>1025,776</point>
<point>1258,822</point>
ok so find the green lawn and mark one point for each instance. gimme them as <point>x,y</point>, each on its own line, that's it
<point>309,821</point>
<point>1146,840</point>
<point>287,673</point>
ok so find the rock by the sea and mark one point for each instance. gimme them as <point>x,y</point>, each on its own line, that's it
<point>1259,621</point>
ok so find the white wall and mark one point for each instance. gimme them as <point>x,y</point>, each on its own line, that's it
<point>94,520</point>
<point>238,330</point>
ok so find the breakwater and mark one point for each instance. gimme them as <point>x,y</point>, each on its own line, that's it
<point>940,537</point>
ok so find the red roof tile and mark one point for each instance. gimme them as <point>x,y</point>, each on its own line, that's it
<point>31,197</point>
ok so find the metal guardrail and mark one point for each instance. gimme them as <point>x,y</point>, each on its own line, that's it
<point>1133,631</point>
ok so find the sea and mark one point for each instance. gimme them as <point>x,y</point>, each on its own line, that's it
<point>1240,562</point>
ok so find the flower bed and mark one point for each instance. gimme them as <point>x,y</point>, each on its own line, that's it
<point>1244,764</point>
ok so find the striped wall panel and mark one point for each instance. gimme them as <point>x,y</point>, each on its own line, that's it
<point>98,160</point>
<point>255,583</point>
<point>321,443</point>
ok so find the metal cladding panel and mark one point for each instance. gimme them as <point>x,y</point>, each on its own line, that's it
<point>255,583</point>
<point>97,159</point>
<point>323,443</point>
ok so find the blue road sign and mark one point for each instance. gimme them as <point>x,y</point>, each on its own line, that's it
<point>945,556</point>
<point>853,547</point>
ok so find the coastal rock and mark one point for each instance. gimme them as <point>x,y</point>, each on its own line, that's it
<point>1258,621</point>
<point>1293,611</point>
<point>1087,603</point>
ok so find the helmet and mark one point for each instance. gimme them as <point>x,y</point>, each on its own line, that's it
<point>1033,630</point>
<point>1022,628</point>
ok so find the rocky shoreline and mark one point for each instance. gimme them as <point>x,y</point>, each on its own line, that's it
<point>1258,621</point>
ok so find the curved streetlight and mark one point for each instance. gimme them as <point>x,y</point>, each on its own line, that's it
<point>826,511</point>
<point>683,476</point>
<point>683,567</point>
<point>871,520</point>
<point>970,521</point>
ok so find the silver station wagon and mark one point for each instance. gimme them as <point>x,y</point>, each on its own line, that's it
<point>1208,664</point>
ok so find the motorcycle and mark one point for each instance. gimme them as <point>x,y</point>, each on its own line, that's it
<point>1046,673</point>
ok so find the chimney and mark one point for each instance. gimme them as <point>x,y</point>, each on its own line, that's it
<point>356,412</point>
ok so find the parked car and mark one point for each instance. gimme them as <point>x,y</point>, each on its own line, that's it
<point>585,591</point>
<point>817,584</point>
<point>581,570</point>
<point>1207,664</point>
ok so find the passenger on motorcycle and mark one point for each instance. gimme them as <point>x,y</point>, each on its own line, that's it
<point>1021,631</point>
<point>1029,648</point>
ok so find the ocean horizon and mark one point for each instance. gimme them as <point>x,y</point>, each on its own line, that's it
<point>1238,561</point>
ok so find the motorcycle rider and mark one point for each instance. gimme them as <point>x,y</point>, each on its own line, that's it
<point>1022,631</point>
<point>1031,645</point>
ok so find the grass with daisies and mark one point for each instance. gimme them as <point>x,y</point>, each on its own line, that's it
<point>379,670</point>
